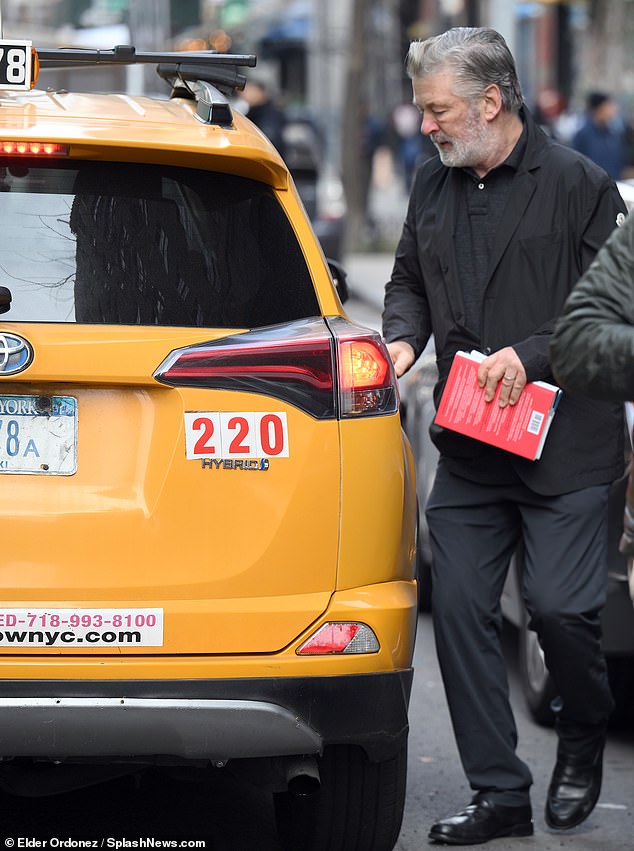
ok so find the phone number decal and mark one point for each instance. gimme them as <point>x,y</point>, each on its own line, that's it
<point>244,434</point>
<point>92,627</point>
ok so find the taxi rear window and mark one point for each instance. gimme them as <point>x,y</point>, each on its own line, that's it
<point>134,244</point>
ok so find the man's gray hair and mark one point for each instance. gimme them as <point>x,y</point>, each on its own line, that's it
<point>479,56</point>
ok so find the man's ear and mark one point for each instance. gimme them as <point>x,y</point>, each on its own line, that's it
<point>492,102</point>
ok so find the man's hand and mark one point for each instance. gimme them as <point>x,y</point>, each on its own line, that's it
<point>504,366</point>
<point>403,356</point>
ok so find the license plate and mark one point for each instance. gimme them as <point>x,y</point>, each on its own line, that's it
<point>72,628</point>
<point>38,434</point>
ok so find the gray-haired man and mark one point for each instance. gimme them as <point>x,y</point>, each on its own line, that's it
<point>499,228</point>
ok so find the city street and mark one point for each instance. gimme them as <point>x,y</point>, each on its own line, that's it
<point>233,816</point>
<point>436,784</point>
<point>217,623</point>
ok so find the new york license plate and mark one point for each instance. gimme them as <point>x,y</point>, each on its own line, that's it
<point>38,434</point>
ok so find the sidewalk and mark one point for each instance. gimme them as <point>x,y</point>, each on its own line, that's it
<point>368,274</point>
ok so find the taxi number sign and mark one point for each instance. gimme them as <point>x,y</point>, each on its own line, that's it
<point>38,434</point>
<point>15,64</point>
<point>243,434</point>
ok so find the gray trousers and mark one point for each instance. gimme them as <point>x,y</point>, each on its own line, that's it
<point>474,531</point>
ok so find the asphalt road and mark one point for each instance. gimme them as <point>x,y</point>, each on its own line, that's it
<point>233,816</point>
<point>437,787</point>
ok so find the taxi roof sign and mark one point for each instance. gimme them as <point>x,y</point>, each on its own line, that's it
<point>206,76</point>
<point>18,65</point>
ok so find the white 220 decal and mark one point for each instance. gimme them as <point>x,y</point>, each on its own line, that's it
<point>243,434</point>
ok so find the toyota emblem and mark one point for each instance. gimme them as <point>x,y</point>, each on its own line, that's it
<point>15,354</point>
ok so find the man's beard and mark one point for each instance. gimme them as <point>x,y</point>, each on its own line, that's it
<point>471,148</point>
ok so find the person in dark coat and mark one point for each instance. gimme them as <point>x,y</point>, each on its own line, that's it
<point>602,136</point>
<point>264,111</point>
<point>499,227</point>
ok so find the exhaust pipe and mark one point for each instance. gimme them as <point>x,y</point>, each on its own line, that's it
<point>302,776</point>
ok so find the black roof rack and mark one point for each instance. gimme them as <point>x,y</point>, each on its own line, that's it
<point>204,75</point>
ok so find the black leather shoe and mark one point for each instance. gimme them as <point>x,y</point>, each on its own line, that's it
<point>483,820</point>
<point>574,787</point>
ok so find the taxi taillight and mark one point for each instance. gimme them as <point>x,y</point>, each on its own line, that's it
<point>366,380</point>
<point>33,149</point>
<point>328,368</point>
<point>338,637</point>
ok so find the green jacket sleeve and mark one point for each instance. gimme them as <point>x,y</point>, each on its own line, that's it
<point>592,349</point>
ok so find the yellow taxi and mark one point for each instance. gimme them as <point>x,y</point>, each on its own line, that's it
<point>208,504</point>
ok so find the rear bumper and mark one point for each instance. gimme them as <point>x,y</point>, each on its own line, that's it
<point>203,719</point>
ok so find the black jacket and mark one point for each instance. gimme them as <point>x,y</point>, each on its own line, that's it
<point>561,209</point>
<point>592,350</point>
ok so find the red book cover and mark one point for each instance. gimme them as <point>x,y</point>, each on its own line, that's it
<point>519,428</point>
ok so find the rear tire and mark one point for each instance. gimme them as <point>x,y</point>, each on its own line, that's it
<point>621,674</point>
<point>537,684</point>
<point>359,805</point>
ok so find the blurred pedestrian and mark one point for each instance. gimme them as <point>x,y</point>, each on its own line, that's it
<point>498,230</point>
<point>371,141</point>
<point>602,136</point>
<point>411,147</point>
<point>548,108</point>
<point>264,111</point>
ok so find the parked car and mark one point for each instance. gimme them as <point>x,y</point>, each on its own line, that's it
<point>618,617</point>
<point>318,184</point>
<point>200,566</point>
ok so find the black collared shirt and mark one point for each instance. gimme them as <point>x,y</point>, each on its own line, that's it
<point>480,213</point>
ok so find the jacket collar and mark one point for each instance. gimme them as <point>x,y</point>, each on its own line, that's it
<point>537,141</point>
<point>524,186</point>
